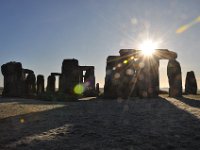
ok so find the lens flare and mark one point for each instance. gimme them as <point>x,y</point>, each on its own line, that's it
<point>125,61</point>
<point>79,89</point>
<point>185,27</point>
<point>119,65</point>
<point>148,47</point>
<point>21,120</point>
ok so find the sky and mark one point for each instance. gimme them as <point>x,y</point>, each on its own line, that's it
<point>41,33</point>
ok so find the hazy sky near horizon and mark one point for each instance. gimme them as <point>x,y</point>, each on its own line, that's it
<point>41,33</point>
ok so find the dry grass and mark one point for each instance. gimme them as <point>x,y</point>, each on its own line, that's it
<point>160,123</point>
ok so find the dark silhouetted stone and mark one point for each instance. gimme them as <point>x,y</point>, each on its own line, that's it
<point>175,78</point>
<point>18,81</point>
<point>22,82</point>
<point>89,80</point>
<point>13,79</point>
<point>40,84</point>
<point>113,76</point>
<point>148,77</point>
<point>97,89</point>
<point>190,83</point>
<point>51,84</point>
<point>73,75</point>
<point>70,76</point>
<point>134,74</point>
<point>30,84</point>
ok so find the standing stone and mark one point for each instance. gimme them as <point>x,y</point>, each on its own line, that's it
<point>144,82</point>
<point>113,76</point>
<point>143,78</point>
<point>126,80</point>
<point>51,84</point>
<point>40,84</point>
<point>97,89</point>
<point>30,84</point>
<point>153,89</point>
<point>175,78</point>
<point>90,78</point>
<point>148,77</point>
<point>190,83</point>
<point>70,76</point>
<point>13,79</point>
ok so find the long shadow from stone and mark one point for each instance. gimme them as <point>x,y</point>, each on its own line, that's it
<point>33,101</point>
<point>114,124</point>
<point>190,101</point>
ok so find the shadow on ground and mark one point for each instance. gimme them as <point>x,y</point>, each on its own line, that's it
<point>114,124</point>
<point>190,101</point>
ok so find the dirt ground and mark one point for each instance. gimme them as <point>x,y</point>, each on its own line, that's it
<point>135,124</point>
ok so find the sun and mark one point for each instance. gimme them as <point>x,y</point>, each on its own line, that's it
<point>148,47</point>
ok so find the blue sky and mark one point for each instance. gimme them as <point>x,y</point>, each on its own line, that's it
<point>41,33</point>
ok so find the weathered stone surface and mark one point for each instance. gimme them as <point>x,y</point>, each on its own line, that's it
<point>22,82</point>
<point>148,77</point>
<point>30,84</point>
<point>153,89</point>
<point>190,83</point>
<point>40,84</point>
<point>89,80</point>
<point>175,78</point>
<point>18,81</point>
<point>97,89</point>
<point>159,53</point>
<point>13,79</point>
<point>51,84</point>
<point>120,81</point>
<point>112,79</point>
<point>165,54</point>
<point>72,75</point>
<point>134,74</point>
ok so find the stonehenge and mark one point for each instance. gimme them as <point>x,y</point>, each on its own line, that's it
<point>19,82</point>
<point>72,75</point>
<point>129,74</point>
<point>190,83</point>
<point>133,74</point>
